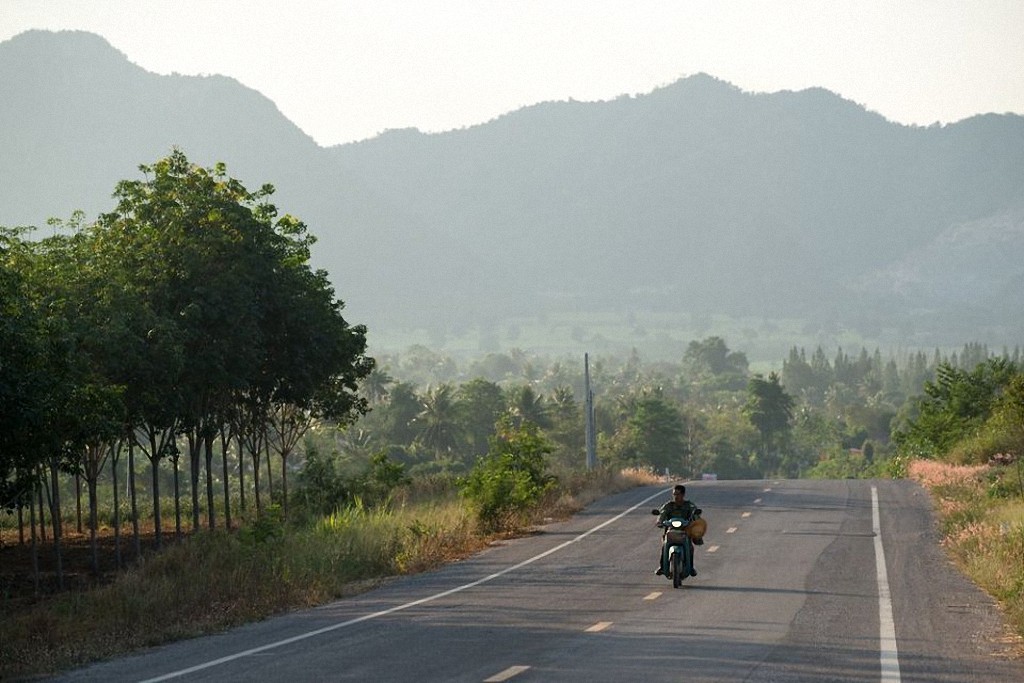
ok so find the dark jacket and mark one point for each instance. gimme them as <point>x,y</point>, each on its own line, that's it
<point>685,510</point>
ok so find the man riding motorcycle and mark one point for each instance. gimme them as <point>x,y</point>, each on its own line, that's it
<point>677,508</point>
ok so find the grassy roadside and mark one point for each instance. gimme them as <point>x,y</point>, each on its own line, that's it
<point>215,580</point>
<point>980,511</point>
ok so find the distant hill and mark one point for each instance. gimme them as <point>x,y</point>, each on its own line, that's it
<point>695,201</point>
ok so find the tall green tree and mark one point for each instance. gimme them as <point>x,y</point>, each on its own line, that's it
<point>481,404</point>
<point>229,280</point>
<point>653,435</point>
<point>440,431</point>
<point>710,364</point>
<point>770,409</point>
<point>953,405</point>
<point>22,376</point>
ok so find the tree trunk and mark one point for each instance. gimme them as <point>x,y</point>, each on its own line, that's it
<point>78,502</point>
<point>21,520</point>
<point>284,483</point>
<point>211,521</point>
<point>133,499</point>
<point>94,562</point>
<point>42,513</point>
<point>225,442</point>
<point>115,455</point>
<point>241,471</point>
<point>177,498</point>
<point>35,546</point>
<point>55,518</point>
<point>194,447</point>
<point>255,454</point>
<point>270,476</point>
<point>155,454</point>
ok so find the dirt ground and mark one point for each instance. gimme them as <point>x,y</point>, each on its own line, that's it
<point>17,575</point>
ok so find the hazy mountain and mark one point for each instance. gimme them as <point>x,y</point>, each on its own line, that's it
<point>697,199</point>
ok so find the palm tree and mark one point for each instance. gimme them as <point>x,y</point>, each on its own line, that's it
<point>440,431</point>
<point>375,386</point>
<point>527,406</point>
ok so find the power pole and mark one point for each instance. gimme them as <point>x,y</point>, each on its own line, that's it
<point>588,407</point>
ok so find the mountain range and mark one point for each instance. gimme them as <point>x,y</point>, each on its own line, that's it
<point>666,212</point>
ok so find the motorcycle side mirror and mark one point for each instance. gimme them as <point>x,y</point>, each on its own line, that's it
<point>699,511</point>
<point>655,512</point>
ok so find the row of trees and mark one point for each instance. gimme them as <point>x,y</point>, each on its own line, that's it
<point>187,316</point>
<point>708,412</point>
<point>825,415</point>
<point>968,416</point>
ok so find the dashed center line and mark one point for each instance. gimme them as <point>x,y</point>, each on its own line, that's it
<point>757,501</point>
<point>599,626</point>
<point>713,548</point>
<point>731,530</point>
<point>654,596</point>
<point>505,675</point>
<point>745,515</point>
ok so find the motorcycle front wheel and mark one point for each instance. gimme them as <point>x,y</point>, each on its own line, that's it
<point>677,570</point>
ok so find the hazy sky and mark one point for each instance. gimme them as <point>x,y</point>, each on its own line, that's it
<point>346,71</point>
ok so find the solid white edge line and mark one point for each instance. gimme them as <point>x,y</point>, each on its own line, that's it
<point>398,608</point>
<point>888,652</point>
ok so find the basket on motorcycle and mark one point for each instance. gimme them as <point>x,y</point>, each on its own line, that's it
<point>696,529</point>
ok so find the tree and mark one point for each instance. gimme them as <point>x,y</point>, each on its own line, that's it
<point>481,404</point>
<point>770,409</point>
<point>525,405</point>
<point>439,429</point>
<point>22,378</point>
<point>229,282</point>
<point>710,363</point>
<point>954,405</point>
<point>654,435</point>
<point>568,427</point>
<point>511,478</point>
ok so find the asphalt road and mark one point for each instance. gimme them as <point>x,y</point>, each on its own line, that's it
<point>789,589</point>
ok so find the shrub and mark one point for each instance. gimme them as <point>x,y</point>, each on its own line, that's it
<point>511,478</point>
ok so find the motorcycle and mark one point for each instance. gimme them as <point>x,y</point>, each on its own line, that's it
<point>680,548</point>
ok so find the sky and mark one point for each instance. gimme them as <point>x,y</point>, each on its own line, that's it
<point>345,71</point>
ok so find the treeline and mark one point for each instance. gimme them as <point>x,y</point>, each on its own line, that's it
<point>187,321</point>
<point>821,415</point>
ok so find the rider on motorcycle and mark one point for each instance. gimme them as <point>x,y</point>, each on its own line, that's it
<point>679,508</point>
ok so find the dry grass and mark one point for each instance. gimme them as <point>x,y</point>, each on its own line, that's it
<point>984,534</point>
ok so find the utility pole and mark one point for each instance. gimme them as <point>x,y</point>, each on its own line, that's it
<point>588,407</point>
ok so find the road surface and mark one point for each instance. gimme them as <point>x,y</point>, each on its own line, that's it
<point>794,584</point>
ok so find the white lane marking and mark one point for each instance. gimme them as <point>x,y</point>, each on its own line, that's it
<point>757,501</point>
<point>599,626</point>
<point>505,675</point>
<point>399,608</point>
<point>731,530</point>
<point>653,596</point>
<point>745,515</point>
<point>767,489</point>
<point>712,549</point>
<point>888,653</point>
